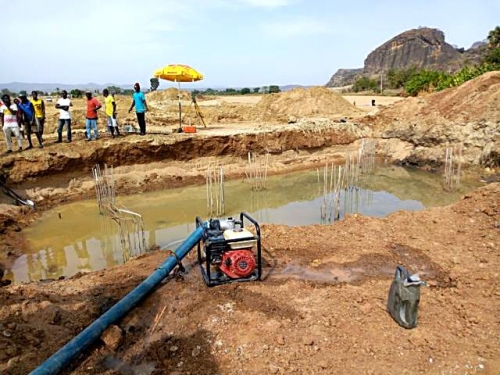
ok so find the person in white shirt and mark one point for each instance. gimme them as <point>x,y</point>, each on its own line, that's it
<point>8,120</point>
<point>63,105</point>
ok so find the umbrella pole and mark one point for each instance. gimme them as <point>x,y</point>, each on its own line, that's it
<point>180,108</point>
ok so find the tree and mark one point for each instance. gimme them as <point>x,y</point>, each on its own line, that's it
<point>245,91</point>
<point>7,92</point>
<point>155,83</point>
<point>76,93</point>
<point>397,78</point>
<point>494,38</point>
<point>115,89</point>
<point>273,89</point>
<point>256,90</point>
<point>364,84</point>
<point>430,80</point>
<point>493,55</point>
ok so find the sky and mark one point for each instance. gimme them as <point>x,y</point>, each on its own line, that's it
<point>233,43</point>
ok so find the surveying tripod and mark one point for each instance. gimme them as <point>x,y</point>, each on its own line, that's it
<point>197,111</point>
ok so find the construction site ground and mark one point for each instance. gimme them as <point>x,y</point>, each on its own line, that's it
<point>321,306</point>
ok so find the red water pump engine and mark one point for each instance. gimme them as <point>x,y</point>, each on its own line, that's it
<point>238,263</point>
<point>228,252</point>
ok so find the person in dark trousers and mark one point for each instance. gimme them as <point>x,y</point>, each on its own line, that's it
<point>141,107</point>
<point>28,119</point>
<point>63,105</point>
<point>39,105</point>
<point>19,116</point>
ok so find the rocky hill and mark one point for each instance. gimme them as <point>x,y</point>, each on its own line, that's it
<point>423,48</point>
<point>344,77</point>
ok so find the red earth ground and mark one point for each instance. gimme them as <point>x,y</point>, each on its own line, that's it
<point>321,306</point>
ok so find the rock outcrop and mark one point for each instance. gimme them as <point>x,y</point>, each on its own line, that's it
<point>343,77</point>
<point>424,48</point>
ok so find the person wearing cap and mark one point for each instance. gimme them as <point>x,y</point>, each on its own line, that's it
<point>10,126</point>
<point>63,105</point>
<point>141,107</point>
<point>28,118</point>
<point>91,116</point>
<point>39,105</point>
<point>110,109</point>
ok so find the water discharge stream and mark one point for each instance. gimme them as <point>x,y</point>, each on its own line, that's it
<point>74,238</point>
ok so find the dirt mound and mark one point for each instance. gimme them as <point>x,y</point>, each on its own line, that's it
<point>299,103</point>
<point>474,101</point>
<point>315,101</point>
<point>467,115</point>
<point>168,94</point>
<point>229,113</point>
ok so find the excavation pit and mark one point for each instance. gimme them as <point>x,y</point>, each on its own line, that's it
<point>75,238</point>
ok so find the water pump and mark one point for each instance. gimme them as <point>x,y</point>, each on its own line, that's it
<point>228,252</point>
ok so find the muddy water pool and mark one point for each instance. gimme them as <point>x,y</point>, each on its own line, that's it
<point>75,238</point>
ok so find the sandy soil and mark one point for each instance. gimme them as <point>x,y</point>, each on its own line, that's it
<point>365,101</point>
<point>246,99</point>
<point>361,100</point>
<point>321,307</point>
<point>163,116</point>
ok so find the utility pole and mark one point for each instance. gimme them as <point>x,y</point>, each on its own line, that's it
<point>381,82</point>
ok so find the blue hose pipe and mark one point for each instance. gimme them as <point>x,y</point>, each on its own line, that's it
<point>62,358</point>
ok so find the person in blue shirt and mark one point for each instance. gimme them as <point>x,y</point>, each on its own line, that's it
<point>141,107</point>
<point>28,119</point>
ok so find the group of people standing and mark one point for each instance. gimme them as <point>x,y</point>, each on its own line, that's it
<point>22,115</point>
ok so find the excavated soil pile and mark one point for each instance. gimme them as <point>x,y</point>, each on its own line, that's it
<point>227,113</point>
<point>312,102</point>
<point>321,308</point>
<point>282,107</point>
<point>168,94</point>
<point>476,101</point>
<point>467,115</point>
<point>298,103</point>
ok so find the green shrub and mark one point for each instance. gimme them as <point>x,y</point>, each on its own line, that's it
<point>426,80</point>
<point>397,78</point>
<point>365,84</point>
